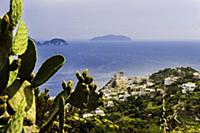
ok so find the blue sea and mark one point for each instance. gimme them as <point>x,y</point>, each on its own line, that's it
<point>104,59</point>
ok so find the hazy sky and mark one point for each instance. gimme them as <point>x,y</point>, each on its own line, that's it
<point>139,19</point>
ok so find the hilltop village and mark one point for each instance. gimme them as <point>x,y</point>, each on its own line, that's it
<point>120,87</point>
<point>168,99</point>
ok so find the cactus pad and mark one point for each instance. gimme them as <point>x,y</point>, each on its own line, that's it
<point>48,68</point>
<point>21,40</point>
<point>28,60</point>
<point>15,13</point>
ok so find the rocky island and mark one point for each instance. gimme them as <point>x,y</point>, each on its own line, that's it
<point>54,42</point>
<point>112,38</point>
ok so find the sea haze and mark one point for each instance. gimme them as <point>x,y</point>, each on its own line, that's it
<point>105,59</point>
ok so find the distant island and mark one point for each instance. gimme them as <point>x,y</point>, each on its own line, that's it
<point>55,41</point>
<point>112,38</point>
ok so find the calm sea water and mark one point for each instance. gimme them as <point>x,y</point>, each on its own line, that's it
<point>105,59</point>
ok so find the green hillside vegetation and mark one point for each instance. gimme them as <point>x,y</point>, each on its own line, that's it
<point>185,73</point>
<point>160,111</point>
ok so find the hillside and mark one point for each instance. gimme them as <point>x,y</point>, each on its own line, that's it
<point>168,98</point>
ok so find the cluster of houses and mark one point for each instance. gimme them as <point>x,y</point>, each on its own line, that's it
<point>186,87</point>
<point>120,87</point>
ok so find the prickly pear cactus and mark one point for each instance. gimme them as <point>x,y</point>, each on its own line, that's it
<point>21,40</point>
<point>48,69</point>
<point>3,104</point>
<point>4,76</point>
<point>15,13</point>
<point>5,41</point>
<point>28,61</point>
<point>16,122</point>
<point>95,99</point>
<point>61,114</point>
<point>17,61</point>
<point>14,68</point>
<point>80,96</point>
<point>18,57</point>
<point>84,95</point>
<point>18,91</point>
<point>8,24</point>
<point>64,95</point>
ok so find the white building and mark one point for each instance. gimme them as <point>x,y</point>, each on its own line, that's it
<point>196,75</point>
<point>170,80</point>
<point>150,83</point>
<point>149,90</point>
<point>110,103</point>
<point>88,115</point>
<point>100,112</point>
<point>188,87</point>
<point>96,112</point>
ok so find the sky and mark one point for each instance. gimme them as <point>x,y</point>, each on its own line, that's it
<point>138,19</point>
